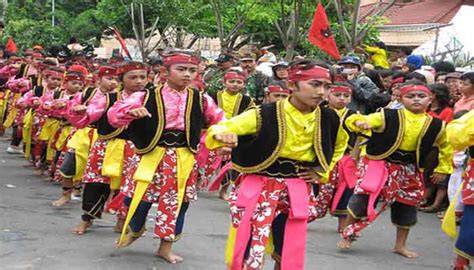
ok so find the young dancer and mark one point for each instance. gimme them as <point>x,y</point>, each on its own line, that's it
<point>396,153</point>
<point>281,149</point>
<point>165,125</point>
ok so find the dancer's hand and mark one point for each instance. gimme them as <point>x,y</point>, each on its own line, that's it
<point>437,177</point>
<point>59,105</point>
<point>79,109</point>
<point>36,102</point>
<point>229,140</point>
<point>225,151</point>
<point>139,112</point>
<point>362,125</point>
<point>308,174</point>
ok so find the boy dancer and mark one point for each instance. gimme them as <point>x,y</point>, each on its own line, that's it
<point>33,121</point>
<point>233,103</point>
<point>165,126</point>
<point>281,149</point>
<point>464,247</point>
<point>392,168</point>
<point>336,193</point>
<point>111,150</point>
<point>276,91</point>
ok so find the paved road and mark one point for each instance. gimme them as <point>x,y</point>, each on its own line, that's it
<point>35,235</point>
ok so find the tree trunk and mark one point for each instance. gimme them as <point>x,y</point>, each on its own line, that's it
<point>4,10</point>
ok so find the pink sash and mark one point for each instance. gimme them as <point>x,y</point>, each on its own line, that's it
<point>218,180</point>
<point>374,180</point>
<point>115,203</point>
<point>203,155</point>
<point>295,228</point>
<point>347,170</point>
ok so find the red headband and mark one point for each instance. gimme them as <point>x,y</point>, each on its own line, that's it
<point>411,88</point>
<point>130,67</point>
<point>73,77</point>
<point>340,89</point>
<point>278,89</point>
<point>107,71</point>
<point>49,73</point>
<point>14,60</point>
<point>37,55</point>
<point>79,68</point>
<point>398,80</point>
<point>234,75</point>
<point>180,58</point>
<point>297,74</point>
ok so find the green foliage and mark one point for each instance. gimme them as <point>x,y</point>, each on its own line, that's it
<point>29,22</point>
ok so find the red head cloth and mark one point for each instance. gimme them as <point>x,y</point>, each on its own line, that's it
<point>79,69</point>
<point>296,73</point>
<point>411,88</point>
<point>398,80</point>
<point>130,66</point>
<point>14,59</point>
<point>180,58</point>
<point>234,75</point>
<point>278,89</point>
<point>74,76</point>
<point>53,72</point>
<point>37,55</point>
<point>107,71</point>
<point>340,89</point>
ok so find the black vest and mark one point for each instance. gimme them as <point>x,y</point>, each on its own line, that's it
<point>256,153</point>
<point>38,91</point>
<point>352,135</point>
<point>104,129</point>
<point>88,94</point>
<point>385,141</point>
<point>146,132</point>
<point>242,103</point>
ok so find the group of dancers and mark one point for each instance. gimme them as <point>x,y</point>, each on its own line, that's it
<point>126,142</point>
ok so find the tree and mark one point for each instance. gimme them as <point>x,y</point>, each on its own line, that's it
<point>351,32</point>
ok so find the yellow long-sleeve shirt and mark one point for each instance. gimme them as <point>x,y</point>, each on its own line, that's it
<point>299,134</point>
<point>461,131</point>
<point>413,127</point>
<point>378,56</point>
<point>228,105</point>
<point>229,101</point>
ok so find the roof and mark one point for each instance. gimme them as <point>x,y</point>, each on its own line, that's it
<point>417,11</point>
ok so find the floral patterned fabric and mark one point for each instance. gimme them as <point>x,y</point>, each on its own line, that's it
<point>404,185</point>
<point>272,201</point>
<point>93,171</point>
<point>163,190</point>
<point>468,185</point>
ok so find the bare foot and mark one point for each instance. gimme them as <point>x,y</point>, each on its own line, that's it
<point>344,244</point>
<point>130,238</point>
<point>405,252</point>
<point>81,229</point>
<point>38,172</point>
<point>77,192</point>
<point>170,257</point>
<point>65,198</point>
<point>119,225</point>
<point>223,194</point>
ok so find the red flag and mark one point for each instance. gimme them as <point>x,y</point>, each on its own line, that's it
<point>11,46</point>
<point>320,34</point>
<point>121,41</point>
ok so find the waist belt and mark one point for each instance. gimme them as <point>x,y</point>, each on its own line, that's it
<point>286,168</point>
<point>402,157</point>
<point>173,138</point>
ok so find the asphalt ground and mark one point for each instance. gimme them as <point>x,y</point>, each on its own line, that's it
<point>36,235</point>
